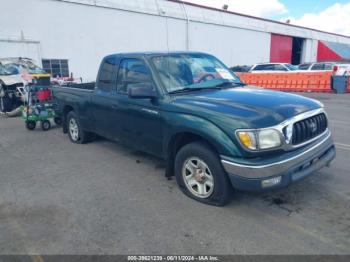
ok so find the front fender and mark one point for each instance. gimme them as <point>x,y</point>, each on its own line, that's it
<point>176,123</point>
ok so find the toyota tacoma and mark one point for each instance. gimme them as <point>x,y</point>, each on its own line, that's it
<point>215,133</point>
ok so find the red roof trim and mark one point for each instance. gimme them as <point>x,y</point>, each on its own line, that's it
<point>254,17</point>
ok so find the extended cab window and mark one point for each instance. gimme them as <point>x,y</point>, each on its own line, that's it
<point>107,78</point>
<point>132,72</point>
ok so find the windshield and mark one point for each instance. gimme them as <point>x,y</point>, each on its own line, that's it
<point>4,71</point>
<point>16,68</point>
<point>179,71</point>
<point>291,67</point>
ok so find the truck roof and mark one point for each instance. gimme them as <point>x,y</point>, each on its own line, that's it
<point>156,53</point>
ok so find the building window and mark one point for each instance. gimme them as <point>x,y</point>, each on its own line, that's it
<point>56,67</point>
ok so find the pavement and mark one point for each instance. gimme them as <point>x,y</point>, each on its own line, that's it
<point>103,198</point>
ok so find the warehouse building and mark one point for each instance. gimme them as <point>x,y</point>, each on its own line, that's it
<point>72,36</point>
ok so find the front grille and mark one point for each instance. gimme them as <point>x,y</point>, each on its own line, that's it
<point>309,128</point>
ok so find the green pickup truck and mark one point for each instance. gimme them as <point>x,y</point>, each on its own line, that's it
<point>215,133</point>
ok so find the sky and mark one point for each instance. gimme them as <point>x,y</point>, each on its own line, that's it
<point>332,16</point>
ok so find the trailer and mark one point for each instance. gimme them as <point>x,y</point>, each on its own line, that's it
<point>15,75</point>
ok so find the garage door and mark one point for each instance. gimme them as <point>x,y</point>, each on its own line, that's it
<point>281,49</point>
<point>20,49</point>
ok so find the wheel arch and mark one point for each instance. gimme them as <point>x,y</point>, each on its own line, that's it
<point>181,129</point>
<point>179,140</point>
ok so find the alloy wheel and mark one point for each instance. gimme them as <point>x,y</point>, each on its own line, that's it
<point>198,177</point>
<point>73,129</point>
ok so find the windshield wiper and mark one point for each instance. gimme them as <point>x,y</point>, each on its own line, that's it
<point>189,89</point>
<point>229,84</point>
<point>207,86</point>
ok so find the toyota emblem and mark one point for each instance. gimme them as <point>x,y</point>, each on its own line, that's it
<point>313,127</point>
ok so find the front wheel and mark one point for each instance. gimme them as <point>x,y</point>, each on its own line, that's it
<point>200,175</point>
<point>30,125</point>
<point>5,104</point>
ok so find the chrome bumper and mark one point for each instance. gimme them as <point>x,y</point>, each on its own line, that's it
<point>280,166</point>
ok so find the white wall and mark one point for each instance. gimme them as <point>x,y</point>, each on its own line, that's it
<point>80,33</point>
<point>309,51</point>
<point>18,48</point>
<point>83,31</point>
<point>83,34</point>
<point>233,46</point>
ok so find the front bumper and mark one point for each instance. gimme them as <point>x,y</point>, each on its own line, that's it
<point>251,175</point>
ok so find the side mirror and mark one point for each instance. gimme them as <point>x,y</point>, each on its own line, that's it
<point>141,90</point>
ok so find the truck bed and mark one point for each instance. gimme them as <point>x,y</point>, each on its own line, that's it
<point>86,86</point>
<point>77,96</point>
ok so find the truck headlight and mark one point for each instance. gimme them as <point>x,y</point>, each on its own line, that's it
<point>269,138</point>
<point>259,139</point>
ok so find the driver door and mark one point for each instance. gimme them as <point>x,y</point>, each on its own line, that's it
<point>138,118</point>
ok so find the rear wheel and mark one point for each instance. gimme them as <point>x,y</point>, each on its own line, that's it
<point>5,101</point>
<point>45,125</point>
<point>75,132</point>
<point>200,175</point>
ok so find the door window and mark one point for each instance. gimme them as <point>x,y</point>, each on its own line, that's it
<point>304,66</point>
<point>132,72</point>
<point>328,66</point>
<point>318,66</point>
<point>107,77</point>
<point>263,67</point>
<point>279,67</point>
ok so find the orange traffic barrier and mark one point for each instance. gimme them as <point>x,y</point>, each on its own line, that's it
<point>295,82</point>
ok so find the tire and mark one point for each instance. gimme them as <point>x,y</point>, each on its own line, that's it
<point>5,104</point>
<point>30,125</point>
<point>58,121</point>
<point>212,186</point>
<point>5,100</point>
<point>45,125</point>
<point>76,134</point>
<point>2,91</point>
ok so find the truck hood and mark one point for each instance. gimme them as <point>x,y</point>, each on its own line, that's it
<point>11,79</point>
<point>247,107</point>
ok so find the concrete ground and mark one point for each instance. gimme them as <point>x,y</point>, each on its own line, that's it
<point>101,198</point>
